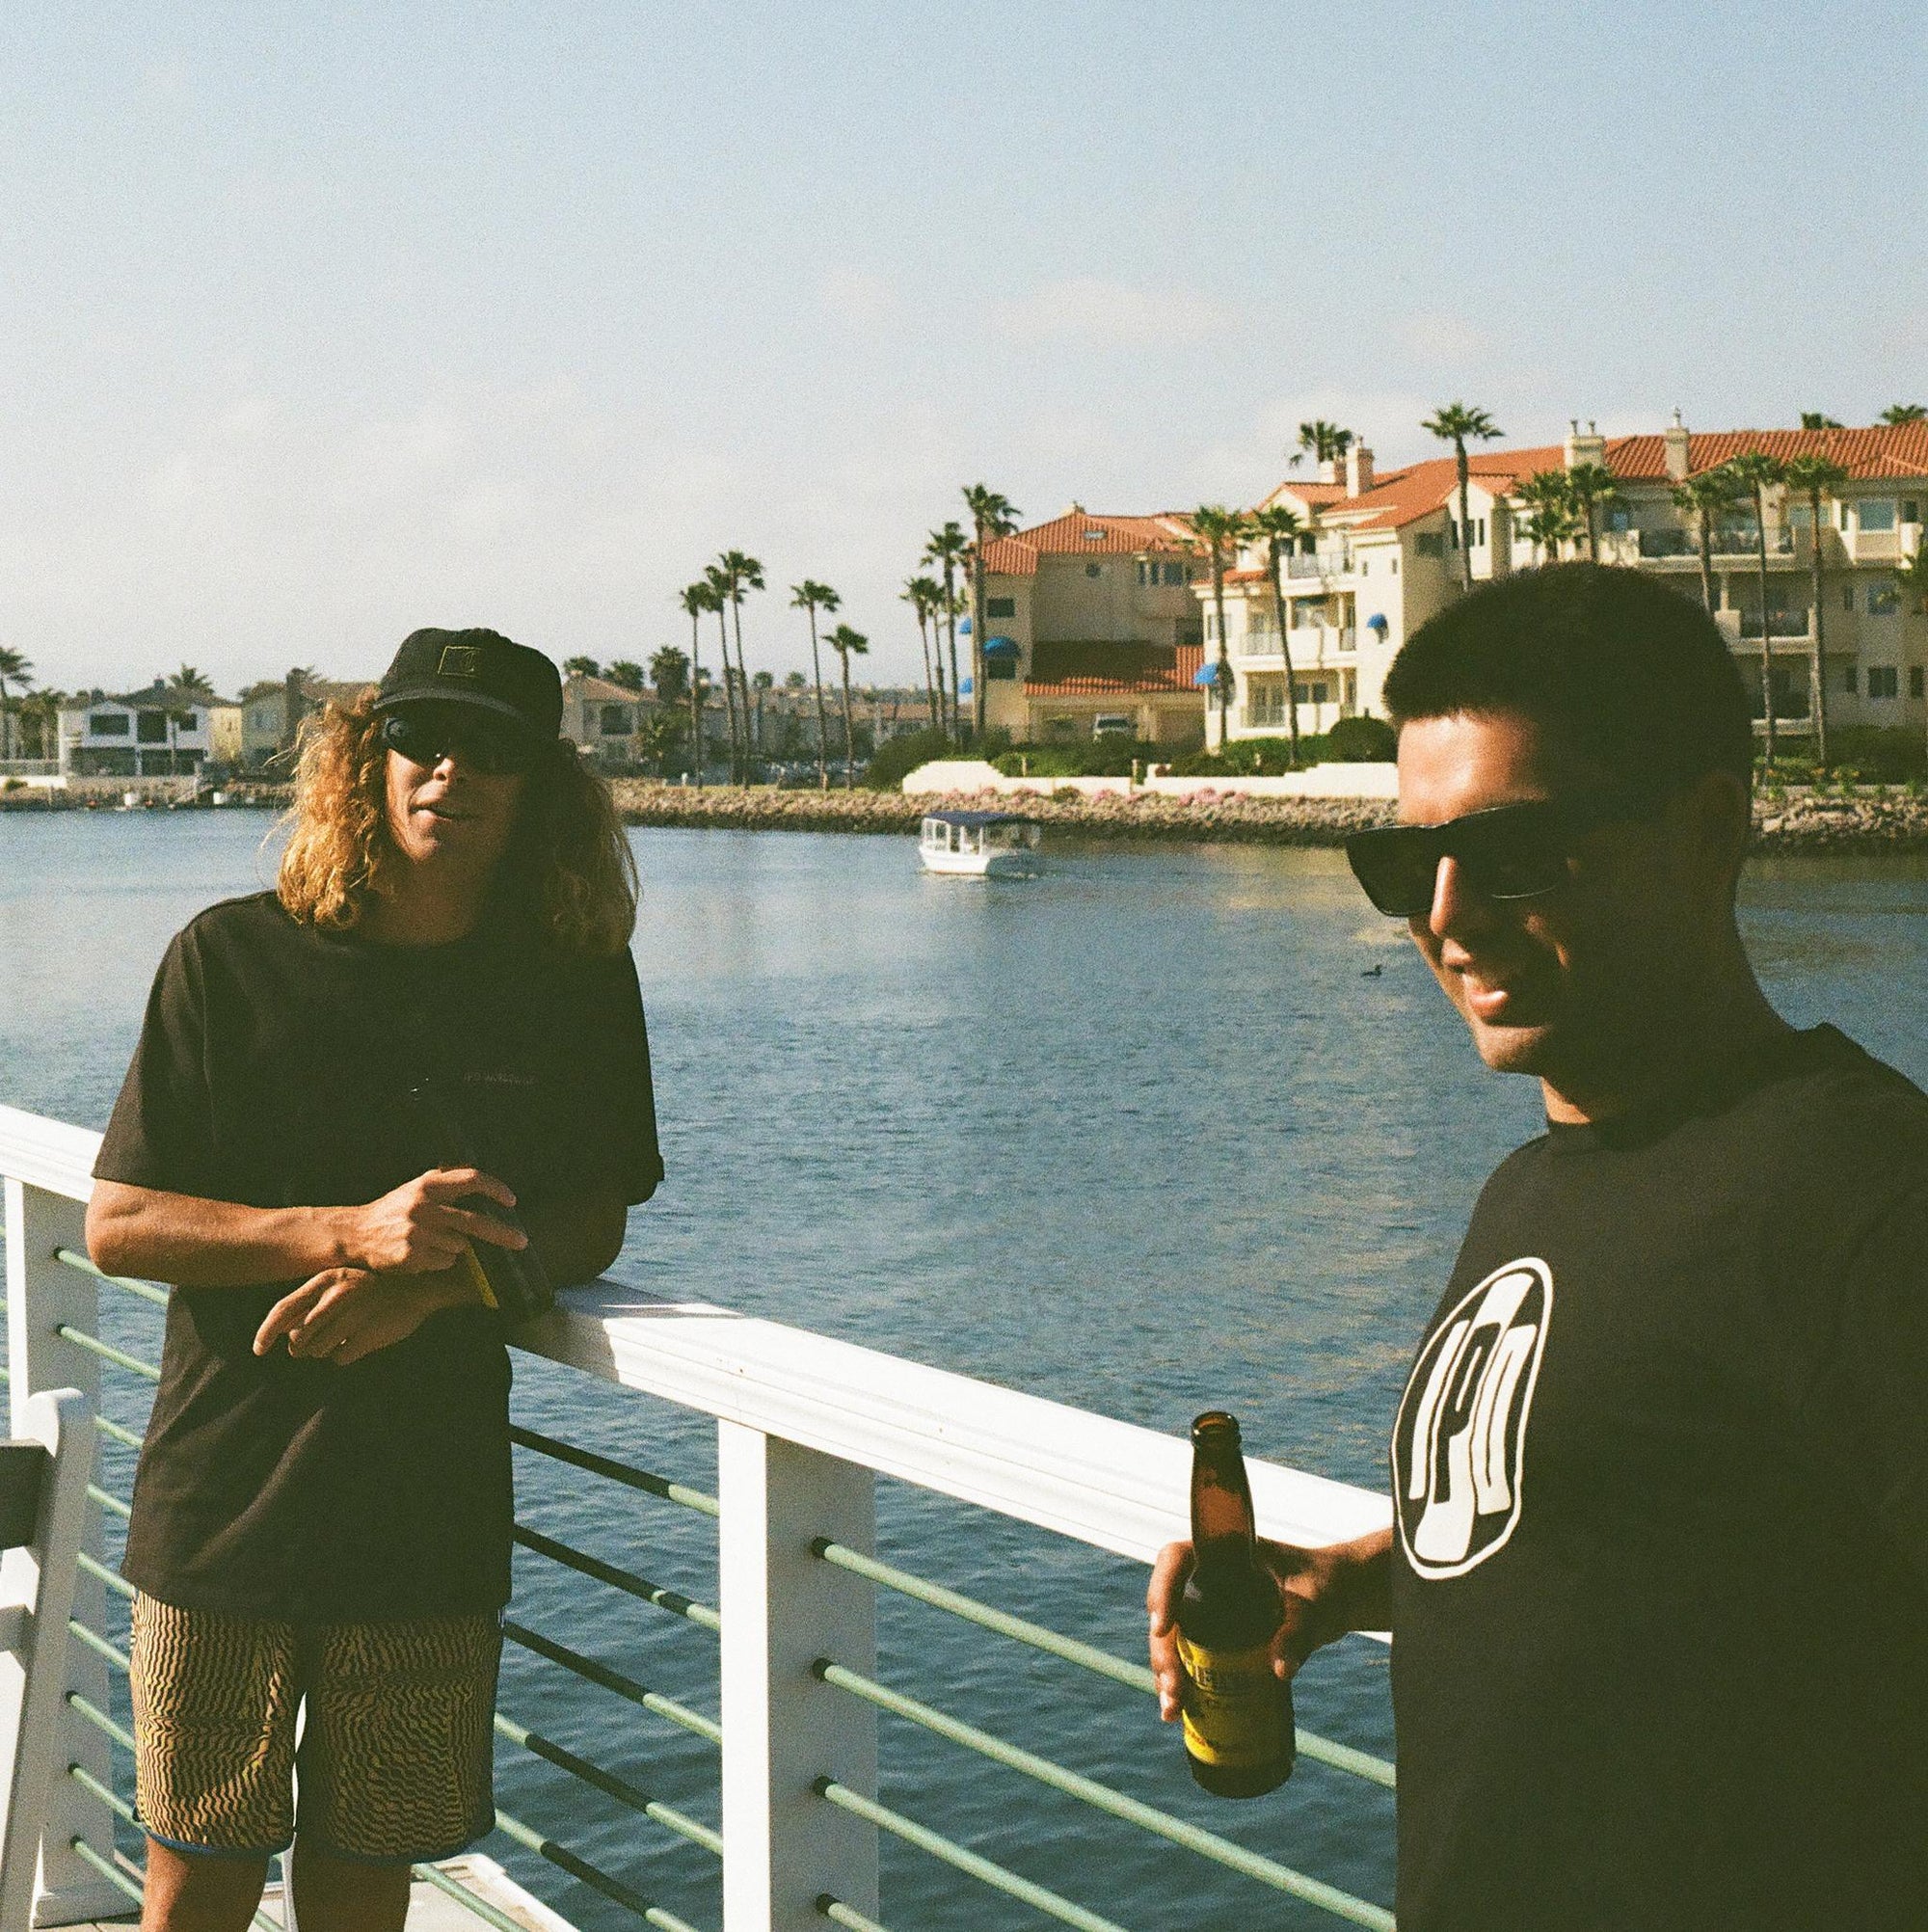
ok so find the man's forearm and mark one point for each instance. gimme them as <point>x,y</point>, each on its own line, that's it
<point>1365,1598</point>
<point>206,1243</point>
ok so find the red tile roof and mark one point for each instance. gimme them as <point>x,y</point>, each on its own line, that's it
<point>1102,670</point>
<point>1865,454</point>
<point>1086,534</point>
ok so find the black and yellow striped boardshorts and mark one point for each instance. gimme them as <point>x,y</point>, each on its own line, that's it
<point>395,1748</point>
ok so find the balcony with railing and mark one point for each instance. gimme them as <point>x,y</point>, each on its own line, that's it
<point>1311,644</point>
<point>722,1767</point>
<point>1325,563</point>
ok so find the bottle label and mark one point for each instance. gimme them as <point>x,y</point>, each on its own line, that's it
<point>1234,1708</point>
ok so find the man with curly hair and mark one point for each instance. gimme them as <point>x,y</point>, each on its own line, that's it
<point>322,1514</point>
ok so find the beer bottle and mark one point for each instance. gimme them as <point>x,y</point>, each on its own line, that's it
<point>1237,1714</point>
<point>510,1279</point>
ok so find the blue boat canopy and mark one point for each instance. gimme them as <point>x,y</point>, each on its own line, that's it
<point>1001,647</point>
<point>976,820</point>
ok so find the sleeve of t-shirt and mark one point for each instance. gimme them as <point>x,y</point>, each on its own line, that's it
<point>1869,1402</point>
<point>162,1131</point>
<point>621,1150</point>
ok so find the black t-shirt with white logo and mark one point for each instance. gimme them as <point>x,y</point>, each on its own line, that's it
<point>274,1069</point>
<point>1660,1481</point>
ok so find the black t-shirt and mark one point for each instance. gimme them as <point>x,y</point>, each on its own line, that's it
<point>273,1070</point>
<point>1660,1584</point>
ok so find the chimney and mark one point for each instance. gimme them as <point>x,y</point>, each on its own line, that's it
<point>1591,448</point>
<point>1358,470</point>
<point>1328,471</point>
<point>1675,441</point>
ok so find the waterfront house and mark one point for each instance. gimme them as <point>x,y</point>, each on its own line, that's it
<point>1380,552</point>
<point>156,733</point>
<point>1091,629</point>
<point>272,713</point>
<point>606,722</point>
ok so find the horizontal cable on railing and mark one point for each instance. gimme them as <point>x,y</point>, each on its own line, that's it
<point>609,1783</point>
<point>595,1672</point>
<point>106,1351</point>
<point>111,1872</point>
<point>101,1720</point>
<point>840,1914</point>
<point>93,1641</point>
<point>91,1566</point>
<point>617,1472</point>
<point>113,1433</point>
<point>1102,1798</point>
<point>593,1876</point>
<point>146,1290</point>
<point>626,1580</point>
<point>469,1901</point>
<point>109,1502</point>
<point>1088,1657</point>
<point>988,1871</point>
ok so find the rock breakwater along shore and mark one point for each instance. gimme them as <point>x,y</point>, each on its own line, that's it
<point>1870,820</point>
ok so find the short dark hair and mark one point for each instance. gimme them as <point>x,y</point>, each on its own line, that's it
<point>1622,669</point>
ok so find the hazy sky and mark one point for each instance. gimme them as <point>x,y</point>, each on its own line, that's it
<point>320,322</point>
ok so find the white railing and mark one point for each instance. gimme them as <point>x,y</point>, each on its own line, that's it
<point>805,1424</point>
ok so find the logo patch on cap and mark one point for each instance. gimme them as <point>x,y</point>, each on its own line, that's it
<point>458,661</point>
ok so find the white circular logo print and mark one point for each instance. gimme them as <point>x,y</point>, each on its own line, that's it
<point>1459,1449</point>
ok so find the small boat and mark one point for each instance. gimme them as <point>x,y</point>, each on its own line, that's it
<point>980,845</point>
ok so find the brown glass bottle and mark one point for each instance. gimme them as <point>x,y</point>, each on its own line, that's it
<point>1237,1714</point>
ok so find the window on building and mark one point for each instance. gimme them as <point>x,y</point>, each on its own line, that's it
<point>1851,679</point>
<point>1393,564</point>
<point>151,728</point>
<point>1848,599</point>
<point>107,724</point>
<point>1430,544</point>
<point>1211,627</point>
<point>1884,597</point>
<point>615,720</point>
<point>1365,567</point>
<point>1884,681</point>
<point>1177,572</point>
<point>1107,722</point>
<point>1875,512</point>
<point>1911,510</point>
<point>1001,607</point>
<point>1312,692</point>
<point>1147,572</point>
<point>1917,680</point>
<point>1191,630</point>
<point>1094,570</point>
<point>1619,519</point>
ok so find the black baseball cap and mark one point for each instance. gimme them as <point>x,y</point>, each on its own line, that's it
<point>482,668</point>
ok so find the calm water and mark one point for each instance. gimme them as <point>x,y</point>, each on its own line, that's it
<point>1141,1137</point>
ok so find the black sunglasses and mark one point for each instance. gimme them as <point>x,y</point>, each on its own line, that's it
<point>1506,852</point>
<point>427,738</point>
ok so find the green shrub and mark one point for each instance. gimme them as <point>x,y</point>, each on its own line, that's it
<point>1363,740</point>
<point>1106,756</point>
<point>900,756</point>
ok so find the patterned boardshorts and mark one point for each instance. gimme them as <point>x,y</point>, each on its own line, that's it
<point>396,1747</point>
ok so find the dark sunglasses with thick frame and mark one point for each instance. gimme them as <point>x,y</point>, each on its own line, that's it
<point>1506,852</point>
<point>426,737</point>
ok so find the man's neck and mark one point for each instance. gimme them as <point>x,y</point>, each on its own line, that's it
<point>424,907</point>
<point>1668,1056</point>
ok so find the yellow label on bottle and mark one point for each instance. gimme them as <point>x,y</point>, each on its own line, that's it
<point>477,1279</point>
<point>1234,1710</point>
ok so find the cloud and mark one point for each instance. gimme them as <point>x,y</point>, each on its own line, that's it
<point>864,300</point>
<point>1439,337</point>
<point>1088,309</point>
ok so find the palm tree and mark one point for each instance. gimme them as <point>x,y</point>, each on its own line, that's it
<point>186,687</point>
<point>945,548</point>
<point>1814,476</point>
<point>814,597</point>
<point>1588,485</point>
<point>1812,419</point>
<point>626,673</point>
<point>991,516</point>
<point>1453,422</point>
<point>1551,516</point>
<point>13,669</point>
<point>763,681</point>
<point>1220,529</point>
<point>1280,527</point>
<point>1703,498</point>
<point>924,594</point>
<point>849,643</point>
<point>742,572</point>
<point>1326,442</point>
<point>1758,472</point>
<point>581,667</point>
<point>718,579</point>
<point>1898,413</point>
<point>697,598</point>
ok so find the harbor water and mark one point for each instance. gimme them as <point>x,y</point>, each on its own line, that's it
<point>1169,1128</point>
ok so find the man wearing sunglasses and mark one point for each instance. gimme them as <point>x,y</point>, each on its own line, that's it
<point>1660,1471</point>
<point>320,1534</point>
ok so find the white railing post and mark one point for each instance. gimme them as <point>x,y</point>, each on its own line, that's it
<point>782,1728</point>
<point>41,1294</point>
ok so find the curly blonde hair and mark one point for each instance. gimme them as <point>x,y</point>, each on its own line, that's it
<point>568,868</point>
